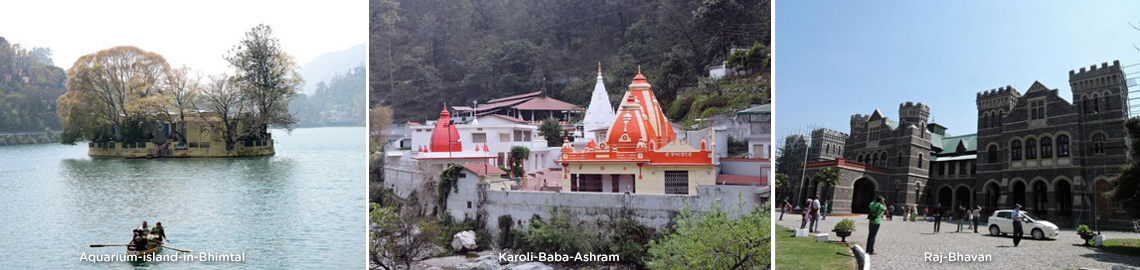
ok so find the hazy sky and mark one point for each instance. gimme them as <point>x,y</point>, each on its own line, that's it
<point>840,58</point>
<point>194,33</point>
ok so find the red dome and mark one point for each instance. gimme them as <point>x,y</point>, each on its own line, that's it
<point>444,133</point>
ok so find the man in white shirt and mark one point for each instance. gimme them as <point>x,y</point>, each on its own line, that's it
<point>1017,231</point>
<point>814,214</point>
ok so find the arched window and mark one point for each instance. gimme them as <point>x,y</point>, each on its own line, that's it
<point>883,159</point>
<point>920,161</point>
<point>1030,149</point>
<point>985,120</point>
<point>1098,144</point>
<point>1096,104</point>
<point>1015,150</point>
<point>828,148</point>
<point>1046,147</point>
<point>992,152</point>
<point>874,157</point>
<point>1063,146</point>
<point>861,158</point>
<point>899,162</point>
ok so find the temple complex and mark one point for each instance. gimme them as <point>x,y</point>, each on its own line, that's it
<point>640,153</point>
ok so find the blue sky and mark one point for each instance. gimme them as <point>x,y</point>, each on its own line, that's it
<point>840,58</point>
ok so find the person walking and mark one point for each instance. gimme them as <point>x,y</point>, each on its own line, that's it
<point>1017,231</point>
<point>783,208</point>
<point>891,213</point>
<point>969,218</point>
<point>961,216</point>
<point>815,206</point>
<point>823,210</point>
<point>937,217</point>
<point>876,219</point>
<point>976,217</point>
<point>806,215</point>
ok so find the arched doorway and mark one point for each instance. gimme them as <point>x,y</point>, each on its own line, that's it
<point>1040,199</point>
<point>946,197</point>
<point>993,192</point>
<point>1019,193</point>
<point>962,197</point>
<point>1102,204</point>
<point>862,195</point>
<point>1064,193</point>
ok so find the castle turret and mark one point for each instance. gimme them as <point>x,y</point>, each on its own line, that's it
<point>911,113</point>
<point>859,123</point>
<point>1099,89</point>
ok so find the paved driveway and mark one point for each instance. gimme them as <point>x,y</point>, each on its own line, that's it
<point>906,245</point>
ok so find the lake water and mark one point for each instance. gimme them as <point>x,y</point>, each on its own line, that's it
<point>303,208</point>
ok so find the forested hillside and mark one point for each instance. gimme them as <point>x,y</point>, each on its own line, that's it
<point>427,52</point>
<point>29,86</point>
<point>329,65</point>
<point>339,101</point>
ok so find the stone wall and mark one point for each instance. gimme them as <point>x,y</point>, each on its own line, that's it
<point>649,210</point>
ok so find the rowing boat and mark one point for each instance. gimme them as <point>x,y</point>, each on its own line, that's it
<point>142,253</point>
<point>153,247</point>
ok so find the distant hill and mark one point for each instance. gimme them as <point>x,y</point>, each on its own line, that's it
<point>328,65</point>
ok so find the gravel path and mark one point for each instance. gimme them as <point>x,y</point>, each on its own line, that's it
<point>904,245</point>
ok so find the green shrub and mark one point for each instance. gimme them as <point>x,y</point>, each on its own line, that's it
<point>560,234</point>
<point>630,241</point>
<point>846,224</point>
<point>1084,229</point>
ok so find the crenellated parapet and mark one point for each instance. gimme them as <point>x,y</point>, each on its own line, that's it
<point>1000,98</point>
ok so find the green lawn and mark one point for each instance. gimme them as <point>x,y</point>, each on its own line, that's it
<point>1122,246</point>
<point>805,253</point>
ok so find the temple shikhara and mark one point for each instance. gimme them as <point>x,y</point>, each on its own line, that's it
<point>640,153</point>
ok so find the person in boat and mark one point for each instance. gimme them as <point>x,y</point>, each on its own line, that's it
<point>139,242</point>
<point>158,232</point>
<point>144,230</point>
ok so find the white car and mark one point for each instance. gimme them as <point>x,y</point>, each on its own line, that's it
<point>1001,224</point>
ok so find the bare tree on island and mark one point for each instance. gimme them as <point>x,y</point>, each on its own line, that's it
<point>226,102</point>
<point>267,78</point>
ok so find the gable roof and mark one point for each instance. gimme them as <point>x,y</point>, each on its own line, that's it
<point>876,115</point>
<point>519,96</point>
<point>957,144</point>
<point>483,169</point>
<point>546,103</point>
<point>1037,85</point>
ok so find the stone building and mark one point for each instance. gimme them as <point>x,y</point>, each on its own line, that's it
<point>1036,149</point>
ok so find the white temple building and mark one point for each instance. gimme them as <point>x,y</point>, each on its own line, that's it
<point>599,114</point>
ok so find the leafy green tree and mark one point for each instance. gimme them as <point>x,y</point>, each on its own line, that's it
<point>828,176</point>
<point>29,85</point>
<point>517,155</point>
<point>1126,186</point>
<point>712,241</point>
<point>268,79</point>
<point>551,130</point>
<point>754,57</point>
